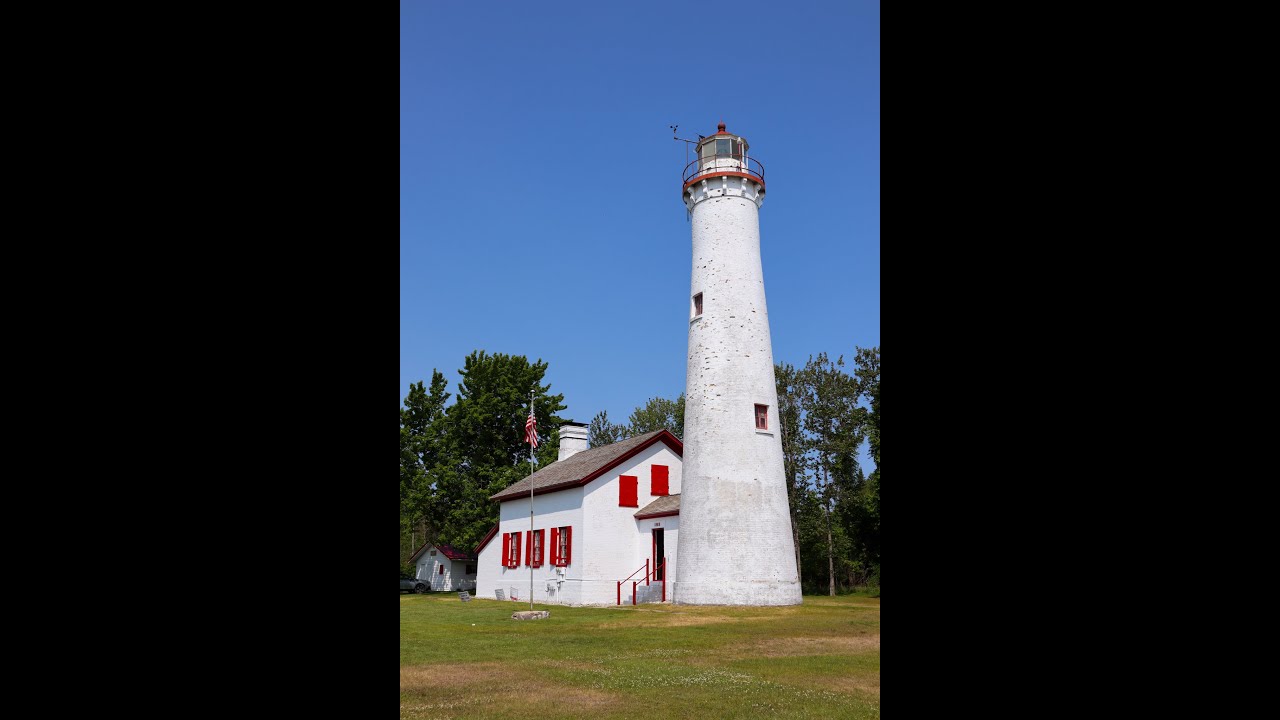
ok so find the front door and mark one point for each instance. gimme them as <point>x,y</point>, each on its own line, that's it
<point>659,552</point>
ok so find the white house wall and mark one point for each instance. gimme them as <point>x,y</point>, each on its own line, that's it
<point>616,544</point>
<point>557,509</point>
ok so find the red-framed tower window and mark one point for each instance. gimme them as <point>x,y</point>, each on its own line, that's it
<point>762,417</point>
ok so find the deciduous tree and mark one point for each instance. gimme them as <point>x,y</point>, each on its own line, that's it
<point>658,414</point>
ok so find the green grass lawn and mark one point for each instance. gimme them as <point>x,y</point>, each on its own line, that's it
<point>471,660</point>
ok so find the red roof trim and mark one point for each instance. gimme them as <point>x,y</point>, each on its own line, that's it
<point>485,540</point>
<point>445,549</point>
<point>665,436</point>
<point>668,513</point>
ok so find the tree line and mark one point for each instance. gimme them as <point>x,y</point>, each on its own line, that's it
<point>826,416</point>
<point>453,459</point>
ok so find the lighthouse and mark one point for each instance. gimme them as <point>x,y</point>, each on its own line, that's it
<point>735,544</point>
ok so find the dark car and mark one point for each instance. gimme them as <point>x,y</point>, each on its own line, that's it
<point>412,584</point>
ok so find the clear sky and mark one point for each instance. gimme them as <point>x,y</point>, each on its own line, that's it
<point>540,209</point>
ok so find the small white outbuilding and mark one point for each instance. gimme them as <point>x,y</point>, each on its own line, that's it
<point>444,567</point>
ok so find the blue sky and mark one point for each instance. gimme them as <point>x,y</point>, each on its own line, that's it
<point>540,209</point>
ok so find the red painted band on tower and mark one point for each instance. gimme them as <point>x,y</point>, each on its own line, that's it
<point>724,173</point>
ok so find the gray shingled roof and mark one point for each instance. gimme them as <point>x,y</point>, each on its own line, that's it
<point>576,467</point>
<point>665,504</point>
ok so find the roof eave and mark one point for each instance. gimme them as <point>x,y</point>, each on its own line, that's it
<point>668,513</point>
<point>666,437</point>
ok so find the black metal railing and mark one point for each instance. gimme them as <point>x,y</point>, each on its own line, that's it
<point>743,164</point>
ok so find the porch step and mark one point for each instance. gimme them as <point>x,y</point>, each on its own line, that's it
<point>651,593</point>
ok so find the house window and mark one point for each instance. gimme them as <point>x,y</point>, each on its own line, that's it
<point>433,553</point>
<point>659,484</point>
<point>697,305</point>
<point>471,569</point>
<point>533,548</point>
<point>561,546</point>
<point>511,549</point>
<point>627,494</point>
<point>442,569</point>
<point>762,417</point>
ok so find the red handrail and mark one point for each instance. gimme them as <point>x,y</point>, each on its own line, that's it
<point>648,576</point>
<point>633,593</point>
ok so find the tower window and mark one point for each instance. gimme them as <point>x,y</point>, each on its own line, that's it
<point>762,417</point>
<point>697,305</point>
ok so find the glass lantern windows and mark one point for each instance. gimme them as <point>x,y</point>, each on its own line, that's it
<point>722,148</point>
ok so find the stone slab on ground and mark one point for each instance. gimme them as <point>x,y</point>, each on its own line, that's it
<point>531,615</point>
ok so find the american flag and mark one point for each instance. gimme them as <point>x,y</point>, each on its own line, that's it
<point>531,431</point>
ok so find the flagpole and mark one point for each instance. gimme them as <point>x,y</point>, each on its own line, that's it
<point>535,431</point>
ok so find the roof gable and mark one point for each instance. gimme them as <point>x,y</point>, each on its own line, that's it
<point>581,468</point>
<point>445,549</point>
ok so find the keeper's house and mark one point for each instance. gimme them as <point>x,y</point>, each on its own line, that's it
<point>599,516</point>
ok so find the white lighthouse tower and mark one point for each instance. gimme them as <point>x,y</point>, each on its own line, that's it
<point>735,545</point>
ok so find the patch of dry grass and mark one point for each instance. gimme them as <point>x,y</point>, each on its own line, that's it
<point>793,646</point>
<point>817,660</point>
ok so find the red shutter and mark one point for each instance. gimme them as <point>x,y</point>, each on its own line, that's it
<point>555,546</point>
<point>627,485</point>
<point>568,545</point>
<point>506,549</point>
<point>528,546</point>
<point>515,542</point>
<point>659,485</point>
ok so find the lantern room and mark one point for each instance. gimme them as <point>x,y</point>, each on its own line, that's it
<point>723,154</point>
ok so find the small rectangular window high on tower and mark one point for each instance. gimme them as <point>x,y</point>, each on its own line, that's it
<point>697,305</point>
<point>762,417</point>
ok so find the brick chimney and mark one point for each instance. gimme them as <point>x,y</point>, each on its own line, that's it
<point>573,438</point>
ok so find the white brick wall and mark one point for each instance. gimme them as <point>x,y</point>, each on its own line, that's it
<point>735,543</point>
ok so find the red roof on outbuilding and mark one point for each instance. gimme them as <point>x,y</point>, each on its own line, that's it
<point>445,549</point>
